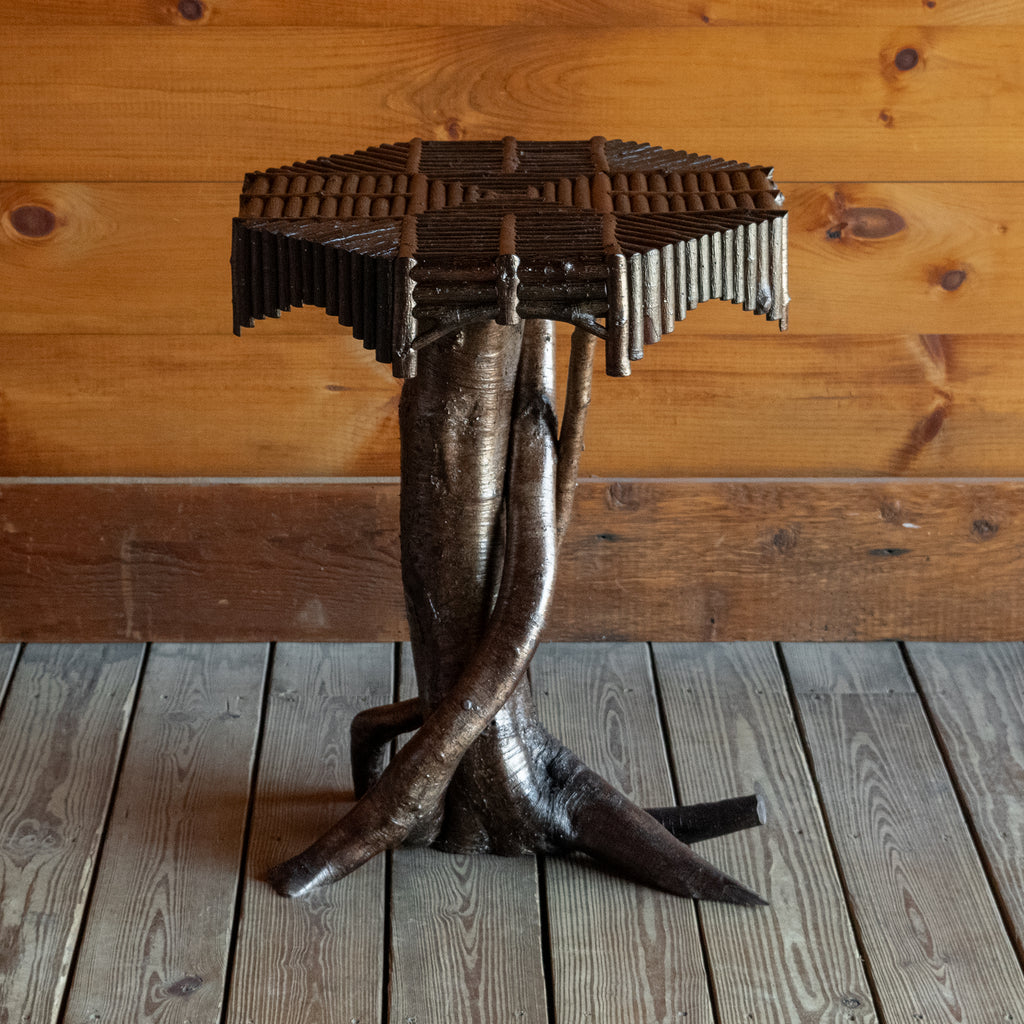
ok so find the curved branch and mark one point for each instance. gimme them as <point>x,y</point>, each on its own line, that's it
<point>411,787</point>
<point>371,732</point>
<point>696,822</point>
<point>574,417</point>
<point>598,820</point>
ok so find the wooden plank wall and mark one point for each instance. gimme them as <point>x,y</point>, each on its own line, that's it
<point>892,127</point>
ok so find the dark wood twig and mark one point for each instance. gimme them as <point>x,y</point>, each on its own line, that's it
<point>574,418</point>
<point>697,822</point>
<point>371,733</point>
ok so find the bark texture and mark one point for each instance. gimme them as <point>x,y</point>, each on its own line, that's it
<point>486,493</point>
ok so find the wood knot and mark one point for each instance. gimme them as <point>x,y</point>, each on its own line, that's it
<point>983,529</point>
<point>622,496</point>
<point>897,60</point>
<point>874,222</point>
<point>184,987</point>
<point>34,840</point>
<point>191,10</point>
<point>923,432</point>
<point>784,540</point>
<point>454,130</point>
<point>952,279</point>
<point>891,511</point>
<point>31,221</point>
<point>907,58</point>
<point>868,222</point>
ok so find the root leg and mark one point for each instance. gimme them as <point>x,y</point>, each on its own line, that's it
<point>496,521</point>
<point>574,418</point>
<point>697,822</point>
<point>372,731</point>
<point>617,833</point>
<point>408,792</point>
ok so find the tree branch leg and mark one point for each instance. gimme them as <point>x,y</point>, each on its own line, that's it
<point>697,822</point>
<point>411,787</point>
<point>603,823</point>
<point>574,418</point>
<point>372,731</point>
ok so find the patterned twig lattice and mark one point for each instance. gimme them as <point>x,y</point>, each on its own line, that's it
<point>404,243</point>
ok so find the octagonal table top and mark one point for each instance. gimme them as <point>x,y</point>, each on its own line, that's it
<point>405,243</point>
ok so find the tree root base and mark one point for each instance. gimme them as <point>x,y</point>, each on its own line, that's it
<point>487,488</point>
<point>558,806</point>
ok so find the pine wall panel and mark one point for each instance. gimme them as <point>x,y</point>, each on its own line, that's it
<point>893,128</point>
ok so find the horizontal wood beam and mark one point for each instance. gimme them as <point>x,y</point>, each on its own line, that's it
<point>866,257</point>
<point>697,405</point>
<point>725,559</point>
<point>822,103</point>
<point>528,13</point>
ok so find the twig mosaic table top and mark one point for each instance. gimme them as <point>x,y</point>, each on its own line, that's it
<point>452,261</point>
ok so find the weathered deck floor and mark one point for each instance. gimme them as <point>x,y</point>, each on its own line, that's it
<point>145,791</point>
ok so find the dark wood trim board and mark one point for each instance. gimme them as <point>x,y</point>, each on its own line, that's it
<point>678,559</point>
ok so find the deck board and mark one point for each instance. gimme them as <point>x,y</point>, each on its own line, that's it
<point>63,726</point>
<point>732,731</point>
<point>620,952</point>
<point>976,697</point>
<point>840,738</point>
<point>321,958</point>
<point>479,916</point>
<point>158,938</point>
<point>935,945</point>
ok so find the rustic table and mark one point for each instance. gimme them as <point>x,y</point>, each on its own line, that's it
<point>453,261</point>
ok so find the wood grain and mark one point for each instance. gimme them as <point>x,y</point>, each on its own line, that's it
<point>465,932</point>
<point>932,935</point>
<point>319,958</point>
<point>619,952</point>
<point>731,731</point>
<point>465,939</point>
<point>657,559</point>
<point>173,563</point>
<point>160,922</point>
<point>866,257</point>
<point>874,377</point>
<point>700,405</point>
<point>71,94</point>
<point>660,13</point>
<point>192,405</point>
<point>839,669</point>
<point>67,707</point>
<point>975,695</point>
<point>61,732</point>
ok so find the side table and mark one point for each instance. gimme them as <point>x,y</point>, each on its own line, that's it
<point>452,261</point>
